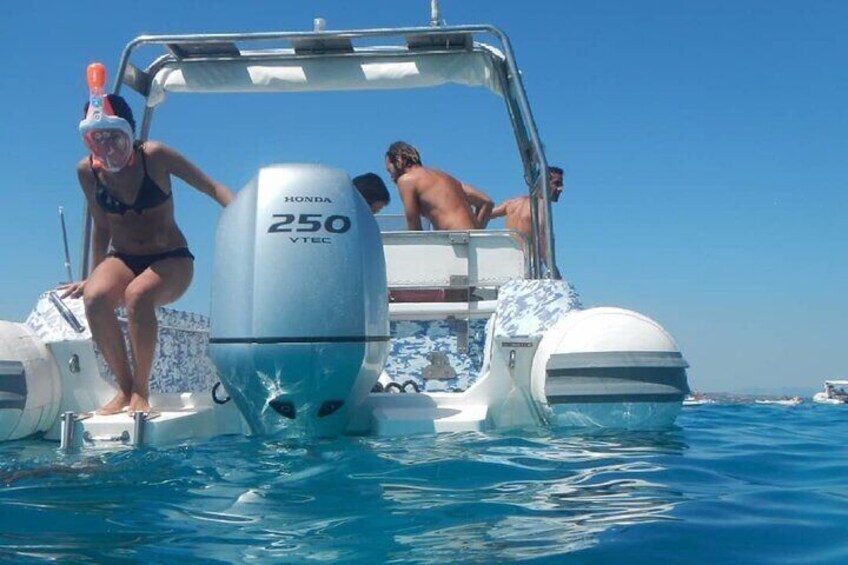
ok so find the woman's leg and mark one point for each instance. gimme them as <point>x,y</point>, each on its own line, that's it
<point>162,283</point>
<point>103,292</point>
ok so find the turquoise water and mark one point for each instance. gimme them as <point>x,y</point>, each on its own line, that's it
<point>731,483</point>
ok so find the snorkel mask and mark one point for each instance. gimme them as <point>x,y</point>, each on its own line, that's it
<point>108,137</point>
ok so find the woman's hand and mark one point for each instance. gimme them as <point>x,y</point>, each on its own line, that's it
<point>72,290</point>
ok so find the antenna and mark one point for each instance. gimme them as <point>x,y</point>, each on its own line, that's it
<point>65,241</point>
<point>435,17</point>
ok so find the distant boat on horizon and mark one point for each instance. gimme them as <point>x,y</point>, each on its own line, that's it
<point>697,399</point>
<point>835,392</point>
<point>794,401</point>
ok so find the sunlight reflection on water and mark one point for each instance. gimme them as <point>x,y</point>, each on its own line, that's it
<point>724,477</point>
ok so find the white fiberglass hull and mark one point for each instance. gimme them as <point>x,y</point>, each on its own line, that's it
<point>822,398</point>
<point>520,367</point>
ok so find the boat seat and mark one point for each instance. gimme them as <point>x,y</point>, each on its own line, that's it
<point>180,363</point>
<point>436,267</point>
<point>443,292</point>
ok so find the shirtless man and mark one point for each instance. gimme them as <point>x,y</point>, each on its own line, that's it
<point>517,210</point>
<point>448,203</point>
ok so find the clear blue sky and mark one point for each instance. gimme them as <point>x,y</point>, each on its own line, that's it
<point>704,144</point>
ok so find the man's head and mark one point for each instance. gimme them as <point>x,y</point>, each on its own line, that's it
<point>399,157</point>
<point>373,190</point>
<point>555,182</point>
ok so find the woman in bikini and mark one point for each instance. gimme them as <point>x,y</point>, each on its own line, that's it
<point>139,257</point>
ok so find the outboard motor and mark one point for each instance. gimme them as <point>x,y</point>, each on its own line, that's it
<point>299,317</point>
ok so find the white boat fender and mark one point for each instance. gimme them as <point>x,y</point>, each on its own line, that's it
<point>30,388</point>
<point>604,356</point>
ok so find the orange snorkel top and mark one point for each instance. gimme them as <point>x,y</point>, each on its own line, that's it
<point>95,76</point>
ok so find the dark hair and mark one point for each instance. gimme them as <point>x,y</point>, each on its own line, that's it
<point>555,170</point>
<point>120,106</point>
<point>402,155</point>
<point>372,188</point>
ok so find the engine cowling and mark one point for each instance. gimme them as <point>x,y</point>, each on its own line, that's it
<point>299,316</point>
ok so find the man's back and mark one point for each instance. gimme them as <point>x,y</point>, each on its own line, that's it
<point>448,203</point>
<point>439,197</point>
<point>517,212</point>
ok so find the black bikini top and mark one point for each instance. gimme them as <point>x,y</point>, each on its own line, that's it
<point>149,195</point>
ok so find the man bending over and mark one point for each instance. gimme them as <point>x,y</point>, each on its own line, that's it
<point>517,210</point>
<point>448,203</point>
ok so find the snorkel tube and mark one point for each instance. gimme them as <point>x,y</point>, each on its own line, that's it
<point>107,136</point>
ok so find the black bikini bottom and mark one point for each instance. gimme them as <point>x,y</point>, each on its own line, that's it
<point>138,263</point>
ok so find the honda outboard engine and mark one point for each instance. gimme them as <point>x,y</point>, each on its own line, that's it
<point>299,317</point>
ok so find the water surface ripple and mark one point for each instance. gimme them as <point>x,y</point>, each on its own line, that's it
<point>730,483</point>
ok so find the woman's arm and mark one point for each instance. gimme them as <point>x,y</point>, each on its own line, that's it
<point>100,233</point>
<point>187,171</point>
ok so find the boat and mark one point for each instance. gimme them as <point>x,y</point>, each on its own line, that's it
<point>697,399</point>
<point>792,401</point>
<point>392,332</point>
<point>835,392</point>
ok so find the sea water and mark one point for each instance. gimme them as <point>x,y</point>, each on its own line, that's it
<point>728,484</point>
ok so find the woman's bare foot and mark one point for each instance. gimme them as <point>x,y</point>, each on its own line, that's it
<point>138,403</point>
<point>116,405</point>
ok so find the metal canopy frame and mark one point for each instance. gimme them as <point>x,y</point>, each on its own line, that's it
<point>410,43</point>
